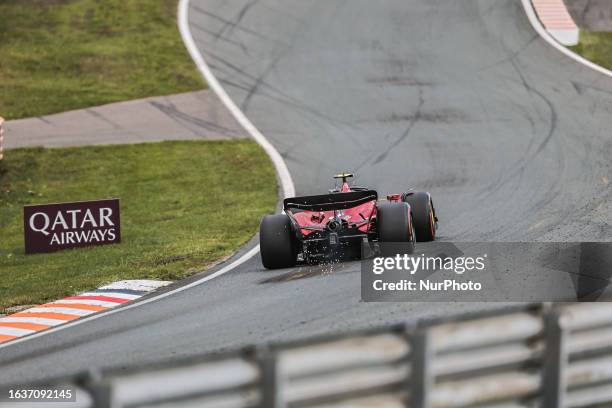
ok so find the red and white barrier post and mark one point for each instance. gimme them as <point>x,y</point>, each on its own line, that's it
<point>1,136</point>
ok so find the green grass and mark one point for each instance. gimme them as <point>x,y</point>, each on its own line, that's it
<point>184,205</point>
<point>57,55</point>
<point>596,47</point>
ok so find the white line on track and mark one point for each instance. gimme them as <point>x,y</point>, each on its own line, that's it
<point>220,272</point>
<point>282,171</point>
<point>213,83</point>
<point>537,25</point>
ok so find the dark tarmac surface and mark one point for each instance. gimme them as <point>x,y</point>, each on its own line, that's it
<point>461,98</point>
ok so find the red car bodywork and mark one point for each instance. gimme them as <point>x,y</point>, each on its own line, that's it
<point>346,223</point>
<point>361,216</point>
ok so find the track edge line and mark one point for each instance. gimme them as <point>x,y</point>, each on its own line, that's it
<point>282,170</point>
<point>245,257</point>
<point>539,28</point>
<point>280,166</point>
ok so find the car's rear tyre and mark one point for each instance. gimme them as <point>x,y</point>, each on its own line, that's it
<point>394,224</point>
<point>277,243</point>
<point>423,214</point>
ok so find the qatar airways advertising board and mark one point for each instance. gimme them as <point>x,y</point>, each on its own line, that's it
<point>53,227</point>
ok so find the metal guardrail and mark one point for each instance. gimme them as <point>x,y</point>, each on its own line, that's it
<point>533,356</point>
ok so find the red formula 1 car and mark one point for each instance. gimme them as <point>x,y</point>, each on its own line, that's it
<point>334,225</point>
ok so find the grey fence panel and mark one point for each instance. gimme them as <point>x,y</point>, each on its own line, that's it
<point>390,400</point>
<point>539,357</point>
<point>343,354</point>
<point>487,331</point>
<point>513,385</point>
<point>238,400</point>
<point>589,341</point>
<point>489,358</point>
<point>223,383</point>
<point>593,396</point>
<point>364,380</point>
<point>587,315</point>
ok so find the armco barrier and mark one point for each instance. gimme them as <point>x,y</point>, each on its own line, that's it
<point>527,357</point>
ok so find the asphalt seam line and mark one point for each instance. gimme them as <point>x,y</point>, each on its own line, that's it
<point>280,166</point>
<point>539,28</point>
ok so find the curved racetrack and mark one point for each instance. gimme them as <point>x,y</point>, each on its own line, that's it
<point>459,97</point>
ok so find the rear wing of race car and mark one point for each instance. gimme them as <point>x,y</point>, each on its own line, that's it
<point>329,202</point>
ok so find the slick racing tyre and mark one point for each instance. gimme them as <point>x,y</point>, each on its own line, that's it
<point>423,214</point>
<point>395,224</point>
<point>277,242</point>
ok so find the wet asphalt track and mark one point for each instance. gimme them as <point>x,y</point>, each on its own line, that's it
<point>459,97</point>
